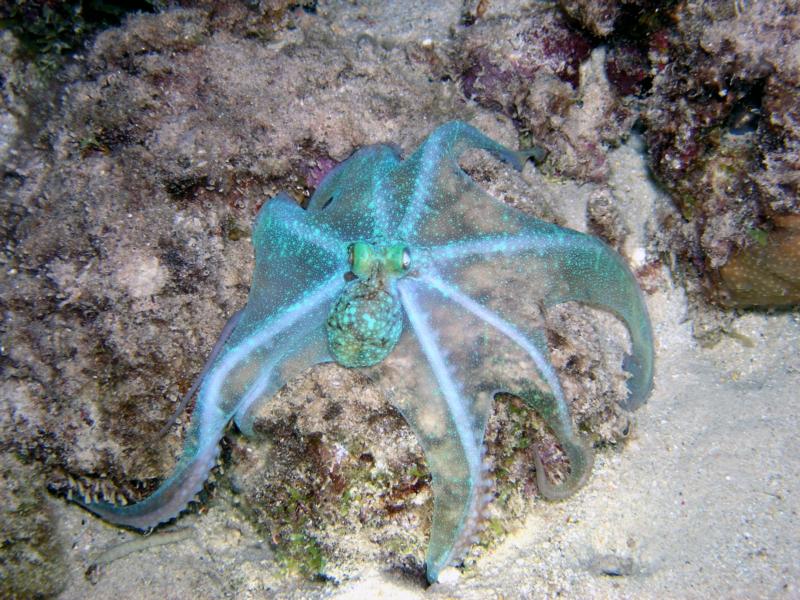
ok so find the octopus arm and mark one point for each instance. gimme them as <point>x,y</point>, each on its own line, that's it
<point>426,391</point>
<point>523,369</point>
<point>245,372</point>
<point>478,242</point>
<point>549,265</point>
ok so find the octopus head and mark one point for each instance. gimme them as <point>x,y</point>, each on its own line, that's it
<point>366,320</point>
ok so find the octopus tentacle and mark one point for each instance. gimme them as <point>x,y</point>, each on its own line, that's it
<point>452,448</point>
<point>552,407</point>
<point>230,325</point>
<point>301,229</point>
<point>170,499</point>
<point>357,193</point>
<point>578,448</point>
<point>572,266</point>
<point>229,384</point>
<point>580,454</point>
<point>492,318</point>
<point>507,245</point>
<point>447,143</point>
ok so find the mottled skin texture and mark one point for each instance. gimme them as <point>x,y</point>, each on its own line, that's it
<point>408,270</point>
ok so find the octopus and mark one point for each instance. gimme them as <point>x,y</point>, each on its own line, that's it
<point>410,271</point>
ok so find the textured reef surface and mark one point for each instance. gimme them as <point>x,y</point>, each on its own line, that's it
<point>721,126</point>
<point>131,178</point>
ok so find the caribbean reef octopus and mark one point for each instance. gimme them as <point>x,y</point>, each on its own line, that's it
<point>409,270</point>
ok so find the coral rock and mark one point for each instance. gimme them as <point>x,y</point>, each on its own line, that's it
<point>767,272</point>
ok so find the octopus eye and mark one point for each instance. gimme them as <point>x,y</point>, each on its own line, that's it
<point>406,260</point>
<point>361,256</point>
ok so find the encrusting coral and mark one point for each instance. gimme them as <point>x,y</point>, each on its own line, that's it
<point>723,137</point>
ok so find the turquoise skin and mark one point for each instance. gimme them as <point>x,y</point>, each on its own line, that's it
<point>410,271</point>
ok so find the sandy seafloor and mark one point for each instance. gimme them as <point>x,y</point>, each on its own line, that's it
<point>701,502</point>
